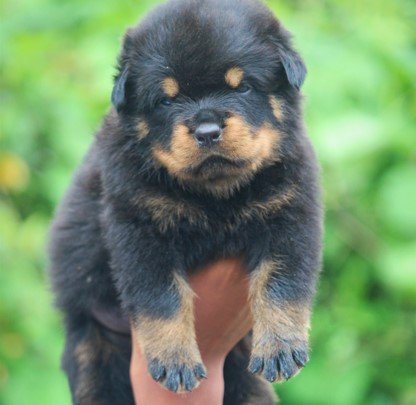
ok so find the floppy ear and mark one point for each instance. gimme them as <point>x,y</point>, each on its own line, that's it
<point>118,96</point>
<point>293,65</point>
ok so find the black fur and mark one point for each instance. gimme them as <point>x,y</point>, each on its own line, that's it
<point>107,250</point>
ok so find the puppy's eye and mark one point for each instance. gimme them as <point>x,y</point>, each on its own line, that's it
<point>167,102</point>
<point>243,89</point>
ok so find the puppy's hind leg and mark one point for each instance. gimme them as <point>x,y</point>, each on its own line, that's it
<point>241,386</point>
<point>97,363</point>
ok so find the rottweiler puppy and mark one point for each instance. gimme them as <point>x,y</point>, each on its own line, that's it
<point>203,156</point>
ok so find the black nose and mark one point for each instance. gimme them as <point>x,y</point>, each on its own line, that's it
<point>207,134</point>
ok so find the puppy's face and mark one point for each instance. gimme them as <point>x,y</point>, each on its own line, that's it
<point>204,86</point>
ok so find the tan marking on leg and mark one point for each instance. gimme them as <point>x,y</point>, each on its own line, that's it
<point>276,106</point>
<point>286,321</point>
<point>87,353</point>
<point>85,357</point>
<point>172,341</point>
<point>234,76</point>
<point>170,87</point>
<point>166,211</point>
<point>159,336</point>
<point>142,129</point>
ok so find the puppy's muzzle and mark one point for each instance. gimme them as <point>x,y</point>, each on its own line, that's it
<point>208,134</point>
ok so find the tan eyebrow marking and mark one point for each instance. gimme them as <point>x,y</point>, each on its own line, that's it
<point>170,87</point>
<point>234,76</point>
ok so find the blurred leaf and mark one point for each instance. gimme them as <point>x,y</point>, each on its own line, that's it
<point>398,267</point>
<point>14,173</point>
<point>396,203</point>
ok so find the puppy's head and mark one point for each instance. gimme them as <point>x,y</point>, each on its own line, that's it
<point>208,88</point>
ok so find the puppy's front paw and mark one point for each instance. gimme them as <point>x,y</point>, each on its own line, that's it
<point>177,374</point>
<point>277,359</point>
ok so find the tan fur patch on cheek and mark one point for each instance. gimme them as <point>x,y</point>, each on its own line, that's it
<point>238,138</point>
<point>182,154</point>
<point>242,142</point>
<point>142,129</point>
<point>234,76</point>
<point>287,320</point>
<point>171,340</point>
<point>276,106</point>
<point>170,86</point>
<point>268,139</point>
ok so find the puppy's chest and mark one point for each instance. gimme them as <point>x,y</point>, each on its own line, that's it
<point>173,214</point>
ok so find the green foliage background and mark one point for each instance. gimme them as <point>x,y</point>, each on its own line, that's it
<point>57,61</point>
